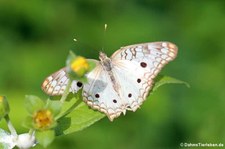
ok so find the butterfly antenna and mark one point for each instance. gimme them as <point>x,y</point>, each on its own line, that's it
<point>104,37</point>
<point>83,44</point>
<point>91,47</point>
<point>74,39</point>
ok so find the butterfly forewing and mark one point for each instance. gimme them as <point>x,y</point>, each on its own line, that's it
<point>136,66</point>
<point>155,50</point>
<point>56,83</point>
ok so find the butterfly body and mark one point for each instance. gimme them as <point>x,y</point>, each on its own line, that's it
<point>121,82</point>
<point>107,65</point>
<point>105,61</point>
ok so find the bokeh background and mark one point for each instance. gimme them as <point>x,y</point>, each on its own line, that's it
<point>36,36</point>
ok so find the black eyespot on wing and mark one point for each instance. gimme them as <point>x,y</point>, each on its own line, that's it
<point>114,100</point>
<point>138,80</point>
<point>129,95</point>
<point>97,95</point>
<point>79,84</point>
<point>143,64</point>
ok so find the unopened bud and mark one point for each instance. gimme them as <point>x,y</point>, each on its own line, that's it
<point>4,107</point>
<point>79,66</point>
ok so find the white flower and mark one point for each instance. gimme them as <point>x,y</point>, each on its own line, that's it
<point>7,141</point>
<point>25,141</point>
<point>22,141</point>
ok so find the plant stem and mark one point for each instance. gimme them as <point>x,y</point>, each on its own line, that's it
<point>31,132</point>
<point>10,126</point>
<point>66,92</point>
<point>71,108</point>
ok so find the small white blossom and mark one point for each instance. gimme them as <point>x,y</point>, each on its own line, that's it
<point>7,140</point>
<point>25,141</point>
<point>22,141</point>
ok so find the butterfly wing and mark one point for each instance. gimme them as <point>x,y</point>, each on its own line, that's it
<point>56,83</point>
<point>99,94</point>
<point>135,67</point>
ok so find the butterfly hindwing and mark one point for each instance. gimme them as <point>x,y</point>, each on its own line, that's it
<point>98,93</point>
<point>134,85</point>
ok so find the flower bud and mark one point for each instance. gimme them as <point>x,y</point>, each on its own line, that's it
<point>4,107</point>
<point>79,66</point>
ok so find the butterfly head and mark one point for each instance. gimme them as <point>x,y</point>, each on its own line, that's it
<point>102,56</point>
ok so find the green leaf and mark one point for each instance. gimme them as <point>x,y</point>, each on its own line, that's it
<point>77,116</point>
<point>162,80</point>
<point>28,122</point>
<point>45,137</point>
<point>70,105</point>
<point>54,106</point>
<point>4,146</point>
<point>33,103</point>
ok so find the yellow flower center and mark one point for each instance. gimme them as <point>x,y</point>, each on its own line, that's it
<point>43,119</point>
<point>79,66</point>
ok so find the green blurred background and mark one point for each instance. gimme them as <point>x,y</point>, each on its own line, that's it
<point>35,37</point>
